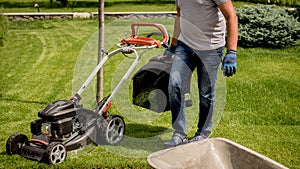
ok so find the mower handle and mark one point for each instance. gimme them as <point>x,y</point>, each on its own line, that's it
<point>160,27</point>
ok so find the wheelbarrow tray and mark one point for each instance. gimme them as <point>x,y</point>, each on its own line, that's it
<point>214,153</point>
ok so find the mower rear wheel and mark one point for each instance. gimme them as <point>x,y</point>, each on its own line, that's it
<point>15,142</point>
<point>115,129</point>
<point>56,153</point>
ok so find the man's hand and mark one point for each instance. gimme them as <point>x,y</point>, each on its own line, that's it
<point>229,63</point>
<point>169,52</point>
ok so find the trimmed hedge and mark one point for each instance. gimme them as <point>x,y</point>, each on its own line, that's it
<point>267,26</point>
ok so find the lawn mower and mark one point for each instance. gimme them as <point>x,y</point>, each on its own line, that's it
<point>65,125</point>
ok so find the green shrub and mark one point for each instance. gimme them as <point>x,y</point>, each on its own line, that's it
<point>267,26</point>
<point>3,28</point>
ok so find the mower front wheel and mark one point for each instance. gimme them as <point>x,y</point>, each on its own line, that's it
<point>15,142</point>
<point>56,153</point>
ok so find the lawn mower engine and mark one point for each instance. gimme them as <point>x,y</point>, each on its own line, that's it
<point>65,126</point>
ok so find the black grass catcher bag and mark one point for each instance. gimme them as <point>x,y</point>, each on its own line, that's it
<point>150,85</point>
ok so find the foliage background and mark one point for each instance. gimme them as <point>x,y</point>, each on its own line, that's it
<point>267,26</point>
<point>119,5</point>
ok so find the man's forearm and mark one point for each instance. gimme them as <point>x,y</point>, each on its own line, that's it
<point>232,33</point>
<point>227,10</point>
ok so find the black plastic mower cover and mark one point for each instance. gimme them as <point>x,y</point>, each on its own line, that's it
<point>58,110</point>
<point>150,85</point>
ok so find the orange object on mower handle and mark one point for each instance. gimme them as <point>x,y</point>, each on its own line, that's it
<point>146,41</point>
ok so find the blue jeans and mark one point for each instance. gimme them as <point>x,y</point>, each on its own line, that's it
<point>185,61</point>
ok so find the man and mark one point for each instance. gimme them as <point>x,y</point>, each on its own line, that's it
<point>198,42</point>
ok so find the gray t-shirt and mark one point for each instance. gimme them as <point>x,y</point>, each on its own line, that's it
<point>202,24</point>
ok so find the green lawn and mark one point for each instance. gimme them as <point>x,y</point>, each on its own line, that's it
<point>43,61</point>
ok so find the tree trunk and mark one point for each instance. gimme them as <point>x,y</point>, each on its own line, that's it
<point>99,95</point>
